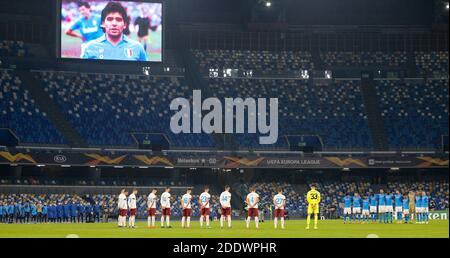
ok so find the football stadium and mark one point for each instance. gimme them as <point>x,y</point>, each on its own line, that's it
<point>249,119</point>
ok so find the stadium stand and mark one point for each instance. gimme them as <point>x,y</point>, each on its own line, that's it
<point>100,106</point>
<point>20,113</point>
<point>265,61</point>
<point>365,59</point>
<point>10,48</point>
<point>415,112</point>
<point>335,112</point>
<point>432,64</point>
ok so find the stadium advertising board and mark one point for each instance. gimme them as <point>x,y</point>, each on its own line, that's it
<point>211,160</point>
<point>111,30</point>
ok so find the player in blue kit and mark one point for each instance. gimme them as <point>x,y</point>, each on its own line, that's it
<point>73,212</point>
<point>405,205</point>
<point>365,209</point>
<point>347,208</point>
<point>419,213</point>
<point>382,207</point>
<point>33,209</point>
<point>1,212</point>
<point>114,45</point>
<point>425,207</point>
<point>389,207</point>
<point>398,206</point>
<point>373,207</point>
<point>66,212</point>
<point>356,212</point>
<point>81,210</point>
<point>89,25</point>
<point>44,213</point>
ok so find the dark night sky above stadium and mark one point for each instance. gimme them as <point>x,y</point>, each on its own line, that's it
<point>296,12</point>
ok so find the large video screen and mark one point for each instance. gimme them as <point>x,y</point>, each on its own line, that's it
<point>112,30</point>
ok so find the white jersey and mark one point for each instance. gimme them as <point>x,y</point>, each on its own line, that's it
<point>132,201</point>
<point>278,200</point>
<point>151,201</point>
<point>225,199</point>
<point>122,202</point>
<point>205,199</point>
<point>187,201</point>
<point>165,200</point>
<point>253,200</point>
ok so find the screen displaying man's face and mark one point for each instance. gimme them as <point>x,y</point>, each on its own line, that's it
<point>114,25</point>
<point>84,24</point>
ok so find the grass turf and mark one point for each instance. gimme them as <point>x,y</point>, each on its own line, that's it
<point>295,229</point>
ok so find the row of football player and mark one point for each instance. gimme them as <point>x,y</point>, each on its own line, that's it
<point>127,205</point>
<point>54,212</point>
<point>357,209</point>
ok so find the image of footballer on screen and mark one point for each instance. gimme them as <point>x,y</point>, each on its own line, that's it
<point>111,30</point>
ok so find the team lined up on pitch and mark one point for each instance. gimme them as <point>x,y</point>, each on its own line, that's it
<point>128,206</point>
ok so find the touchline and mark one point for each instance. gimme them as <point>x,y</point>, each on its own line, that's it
<point>235,109</point>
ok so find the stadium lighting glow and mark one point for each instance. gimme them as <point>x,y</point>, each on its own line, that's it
<point>446,6</point>
<point>395,169</point>
<point>346,169</point>
<point>268,4</point>
<point>40,166</point>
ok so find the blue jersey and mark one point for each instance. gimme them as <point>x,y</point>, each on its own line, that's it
<point>88,208</point>
<point>398,200</point>
<point>126,50</point>
<point>425,201</point>
<point>381,200</point>
<point>389,200</point>
<point>81,209</point>
<point>406,204</point>
<point>97,208</point>
<point>90,29</point>
<point>73,210</point>
<point>59,211</point>
<point>44,210</point>
<point>33,210</point>
<point>356,202</point>
<point>10,209</point>
<point>366,204</point>
<point>26,208</point>
<point>373,201</point>
<point>419,201</point>
<point>1,210</point>
<point>347,202</point>
<point>66,210</point>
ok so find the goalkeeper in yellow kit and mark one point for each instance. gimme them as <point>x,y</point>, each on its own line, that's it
<point>313,199</point>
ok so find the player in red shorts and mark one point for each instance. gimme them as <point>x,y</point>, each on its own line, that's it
<point>279,201</point>
<point>187,209</point>
<point>252,201</point>
<point>132,205</point>
<point>165,208</point>
<point>151,207</point>
<point>225,202</point>
<point>123,208</point>
<point>205,210</point>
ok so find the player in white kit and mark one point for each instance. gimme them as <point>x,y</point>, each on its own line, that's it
<point>225,202</point>
<point>132,205</point>
<point>187,209</point>
<point>205,210</point>
<point>252,201</point>
<point>123,208</point>
<point>279,201</point>
<point>165,208</point>
<point>151,209</point>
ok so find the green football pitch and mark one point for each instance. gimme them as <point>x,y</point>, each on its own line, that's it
<point>295,229</point>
